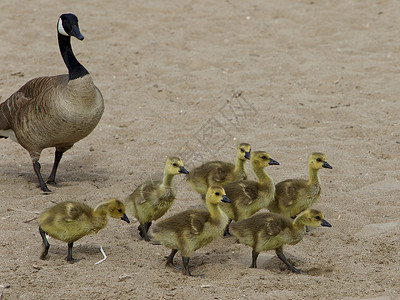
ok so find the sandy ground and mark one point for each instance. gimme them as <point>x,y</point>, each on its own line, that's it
<point>195,78</point>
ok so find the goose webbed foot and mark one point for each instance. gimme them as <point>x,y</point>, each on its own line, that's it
<point>52,178</point>
<point>43,186</point>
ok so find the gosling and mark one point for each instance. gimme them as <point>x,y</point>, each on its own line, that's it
<point>69,221</point>
<point>220,172</point>
<point>270,231</point>
<point>249,196</point>
<point>152,199</point>
<point>292,196</point>
<point>192,229</point>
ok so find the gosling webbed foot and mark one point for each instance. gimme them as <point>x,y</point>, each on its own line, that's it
<point>254,256</point>
<point>143,231</point>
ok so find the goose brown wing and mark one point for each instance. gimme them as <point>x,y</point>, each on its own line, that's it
<point>29,92</point>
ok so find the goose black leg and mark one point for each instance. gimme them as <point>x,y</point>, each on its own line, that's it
<point>282,257</point>
<point>43,186</point>
<point>254,256</point>
<point>226,232</point>
<point>143,231</point>
<point>57,157</point>
<point>46,244</point>
<point>170,258</point>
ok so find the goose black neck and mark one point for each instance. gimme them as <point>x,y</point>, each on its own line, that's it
<point>75,69</point>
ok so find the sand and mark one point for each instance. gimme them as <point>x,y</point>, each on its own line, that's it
<point>195,78</point>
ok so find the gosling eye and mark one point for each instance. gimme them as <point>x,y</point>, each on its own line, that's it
<point>318,159</point>
<point>120,210</point>
<point>241,150</point>
<point>264,157</point>
<point>175,164</point>
<point>217,193</point>
<point>318,217</point>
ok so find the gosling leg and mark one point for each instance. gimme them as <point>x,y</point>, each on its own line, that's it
<point>43,186</point>
<point>185,261</point>
<point>143,231</point>
<point>282,257</point>
<point>170,258</point>
<point>46,244</point>
<point>254,256</point>
<point>57,157</point>
<point>226,232</point>
<point>69,256</point>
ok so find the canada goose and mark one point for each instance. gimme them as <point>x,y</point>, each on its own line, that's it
<point>292,196</point>
<point>192,229</point>
<point>152,199</point>
<point>69,221</point>
<point>220,172</point>
<point>55,111</point>
<point>267,231</point>
<point>249,196</point>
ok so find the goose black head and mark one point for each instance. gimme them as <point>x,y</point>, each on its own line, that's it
<point>68,26</point>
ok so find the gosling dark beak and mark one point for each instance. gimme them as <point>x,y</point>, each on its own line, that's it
<point>273,162</point>
<point>125,218</point>
<point>183,170</point>
<point>325,223</point>
<point>225,199</point>
<point>326,165</point>
<point>76,33</point>
<point>247,155</point>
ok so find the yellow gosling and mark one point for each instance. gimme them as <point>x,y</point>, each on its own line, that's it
<point>220,172</point>
<point>292,196</point>
<point>270,231</point>
<point>192,229</point>
<point>69,221</point>
<point>152,199</point>
<point>249,196</point>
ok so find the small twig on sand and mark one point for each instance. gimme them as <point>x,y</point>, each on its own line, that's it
<point>3,287</point>
<point>105,256</point>
<point>31,219</point>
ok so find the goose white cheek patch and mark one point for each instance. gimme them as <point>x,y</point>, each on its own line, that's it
<point>61,28</point>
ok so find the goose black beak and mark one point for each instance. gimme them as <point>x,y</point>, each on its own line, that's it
<point>325,223</point>
<point>273,162</point>
<point>76,33</point>
<point>225,199</point>
<point>247,155</point>
<point>125,218</point>
<point>326,165</point>
<point>183,170</point>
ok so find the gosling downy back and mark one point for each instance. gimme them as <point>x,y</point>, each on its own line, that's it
<point>220,172</point>
<point>192,229</point>
<point>248,196</point>
<point>271,231</point>
<point>69,221</point>
<point>54,111</point>
<point>293,196</point>
<point>152,199</point>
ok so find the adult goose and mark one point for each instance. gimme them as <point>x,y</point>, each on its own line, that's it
<point>53,111</point>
